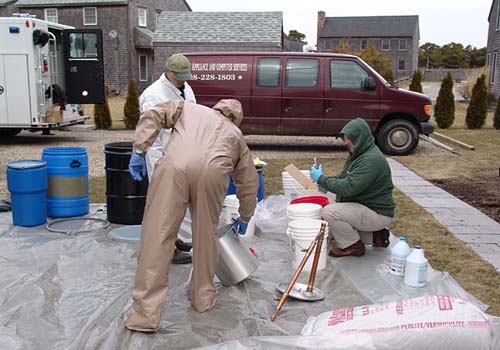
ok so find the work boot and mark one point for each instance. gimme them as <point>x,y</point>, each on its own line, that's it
<point>381,238</point>
<point>181,257</point>
<point>183,246</point>
<point>356,249</point>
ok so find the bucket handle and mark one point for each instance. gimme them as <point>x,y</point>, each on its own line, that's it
<point>75,163</point>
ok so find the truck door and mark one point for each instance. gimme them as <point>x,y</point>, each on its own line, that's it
<point>346,98</point>
<point>83,66</point>
<point>302,97</point>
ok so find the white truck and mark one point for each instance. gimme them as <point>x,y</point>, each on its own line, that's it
<point>47,71</point>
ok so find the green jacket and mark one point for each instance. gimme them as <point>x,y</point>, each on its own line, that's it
<point>366,177</point>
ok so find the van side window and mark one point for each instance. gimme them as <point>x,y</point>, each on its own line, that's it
<point>268,72</point>
<point>83,45</point>
<point>346,75</point>
<point>302,72</point>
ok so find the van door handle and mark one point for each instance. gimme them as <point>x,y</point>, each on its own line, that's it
<point>286,105</point>
<point>328,106</point>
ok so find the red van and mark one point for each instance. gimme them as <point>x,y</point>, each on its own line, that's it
<point>311,94</point>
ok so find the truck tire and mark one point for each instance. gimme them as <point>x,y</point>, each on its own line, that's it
<point>398,137</point>
<point>9,132</point>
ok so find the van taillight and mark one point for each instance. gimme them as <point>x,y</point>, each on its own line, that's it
<point>427,109</point>
<point>45,65</point>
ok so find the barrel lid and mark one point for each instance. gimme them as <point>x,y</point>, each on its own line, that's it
<point>131,233</point>
<point>26,164</point>
<point>64,151</point>
<point>120,147</point>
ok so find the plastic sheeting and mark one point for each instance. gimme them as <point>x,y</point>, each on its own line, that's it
<point>69,292</point>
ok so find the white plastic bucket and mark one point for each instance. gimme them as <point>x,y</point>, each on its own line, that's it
<point>291,188</point>
<point>301,211</point>
<point>302,233</point>
<point>231,206</point>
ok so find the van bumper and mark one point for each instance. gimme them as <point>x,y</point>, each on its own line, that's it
<point>427,128</point>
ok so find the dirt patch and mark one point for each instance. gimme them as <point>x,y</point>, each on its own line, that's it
<point>482,191</point>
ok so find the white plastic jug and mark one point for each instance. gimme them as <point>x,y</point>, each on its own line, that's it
<point>399,253</point>
<point>416,268</point>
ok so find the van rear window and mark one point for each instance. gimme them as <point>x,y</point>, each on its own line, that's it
<point>302,72</point>
<point>268,72</point>
<point>346,75</point>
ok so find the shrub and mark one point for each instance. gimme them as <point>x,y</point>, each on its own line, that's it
<point>496,118</point>
<point>444,112</point>
<point>416,81</point>
<point>131,109</point>
<point>102,115</point>
<point>478,106</point>
<point>378,61</point>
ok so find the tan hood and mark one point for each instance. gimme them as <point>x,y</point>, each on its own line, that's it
<point>231,109</point>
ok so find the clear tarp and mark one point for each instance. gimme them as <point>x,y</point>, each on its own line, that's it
<point>61,291</point>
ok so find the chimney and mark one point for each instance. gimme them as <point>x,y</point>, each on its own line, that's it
<point>321,23</point>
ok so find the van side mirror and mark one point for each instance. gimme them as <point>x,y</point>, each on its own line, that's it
<point>369,84</point>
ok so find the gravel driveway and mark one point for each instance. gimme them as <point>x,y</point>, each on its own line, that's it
<point>27,145</point>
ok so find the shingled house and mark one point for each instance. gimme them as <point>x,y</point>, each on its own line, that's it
<point>127,27</point>
<point>493,48</point>
<point>397,37</point>
<point>216,31</point>
<point>7,7</point>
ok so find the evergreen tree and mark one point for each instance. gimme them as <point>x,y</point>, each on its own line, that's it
<point>131,109</point>
<point>102,115</point>
<point>496,118</point>
<point>478,106</point>
<point>416,81</point>
<point>444,112</point>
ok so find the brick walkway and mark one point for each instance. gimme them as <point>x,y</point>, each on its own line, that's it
<point>467,223</point>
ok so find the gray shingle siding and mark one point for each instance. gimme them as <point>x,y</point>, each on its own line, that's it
<point>493,50</point>
<point>375,30</point>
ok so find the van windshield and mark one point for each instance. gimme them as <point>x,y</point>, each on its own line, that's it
<point>381,78</point>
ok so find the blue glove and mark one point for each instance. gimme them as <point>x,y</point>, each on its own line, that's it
<point>240,226</point>
<point>316,172</point>
<point>137,167</point>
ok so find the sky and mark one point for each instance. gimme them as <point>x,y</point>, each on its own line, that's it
<point>441,21</point>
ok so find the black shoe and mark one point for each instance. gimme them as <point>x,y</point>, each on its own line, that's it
<point>183,246</point>
<point>381,238</point>
<point>181,258</point>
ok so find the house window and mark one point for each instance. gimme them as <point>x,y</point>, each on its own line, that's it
<point>89,16</point>
<point>143,16</point>
<point>401,65</point>
<point>386,44</point>
<point>363,44</point>
<point>494,67</point>
<point>336,43</point>
<point>498,16</point>
<point>143,68</point>
<point>51,15</point>
<point>488,58</point>
<point>403,44</point>
<point>268,72</point>
<point>346,75</point>
<point>302,72</point>
<point>157,16</point>
<point>327,44</point>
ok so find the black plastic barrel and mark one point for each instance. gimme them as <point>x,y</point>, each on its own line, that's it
<point>125,198</point>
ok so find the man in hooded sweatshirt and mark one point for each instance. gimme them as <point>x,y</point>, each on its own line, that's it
<point>204,146</point>
<point>364,204</point>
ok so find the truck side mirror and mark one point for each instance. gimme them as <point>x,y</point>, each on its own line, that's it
<point>369,84</point>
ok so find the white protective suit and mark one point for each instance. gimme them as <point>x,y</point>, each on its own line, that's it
<point>160,91</point>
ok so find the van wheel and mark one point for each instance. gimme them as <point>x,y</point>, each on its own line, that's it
<point>398,137</point>
<point>9,132</point>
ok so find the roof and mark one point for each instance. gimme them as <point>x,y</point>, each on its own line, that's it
<point>491,10</point>
<point>375,26</point>
<point>219,27</point>
<point>51,3</point>
<point>6,2</point>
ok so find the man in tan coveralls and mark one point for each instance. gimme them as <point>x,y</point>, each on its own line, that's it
<point>205,145</point>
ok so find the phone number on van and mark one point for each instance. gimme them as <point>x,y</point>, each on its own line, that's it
<point>216,77</point>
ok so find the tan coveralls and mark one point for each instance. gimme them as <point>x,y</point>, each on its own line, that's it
<point>204,146</point>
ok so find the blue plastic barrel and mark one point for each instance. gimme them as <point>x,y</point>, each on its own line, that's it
<point>27,183</point>
<point>231,189</point>
<point>68,173</point>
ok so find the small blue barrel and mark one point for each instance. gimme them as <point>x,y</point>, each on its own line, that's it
<point>68,173</point>
<point>27,183</point>
<point>231,189</point>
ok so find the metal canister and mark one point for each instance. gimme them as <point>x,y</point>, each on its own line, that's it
<point>236,262</point>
